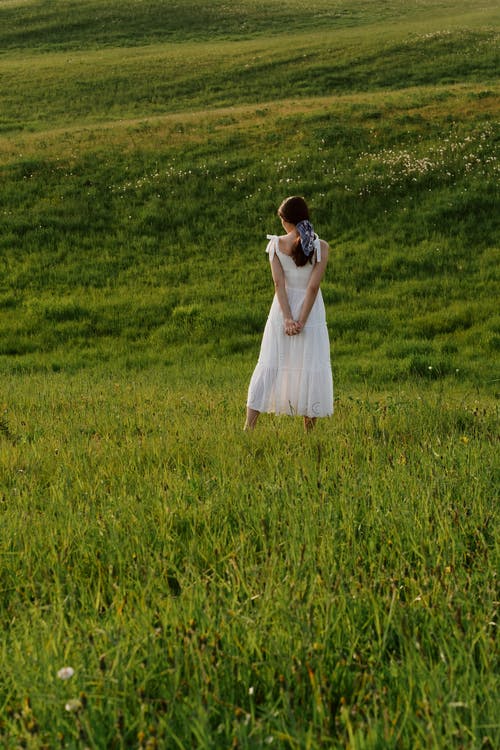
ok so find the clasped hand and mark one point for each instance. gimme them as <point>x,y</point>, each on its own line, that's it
<point>292,327</point>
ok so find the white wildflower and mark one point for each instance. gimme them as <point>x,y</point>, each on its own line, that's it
<point>65,673</point>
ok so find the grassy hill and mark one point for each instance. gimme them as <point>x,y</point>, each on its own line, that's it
<point>212,590</point>
<point>113,168</point>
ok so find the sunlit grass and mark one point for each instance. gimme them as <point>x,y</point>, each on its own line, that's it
<point>168,580</point>
<point>402,186</point>
<point>174,564</point>
<point>117,82</point>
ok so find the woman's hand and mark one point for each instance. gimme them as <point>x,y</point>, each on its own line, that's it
<point>292,327</point>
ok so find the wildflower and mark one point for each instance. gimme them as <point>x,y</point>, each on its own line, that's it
<point>73,706</point>
<point>65,673</point>
<point>251,690</point>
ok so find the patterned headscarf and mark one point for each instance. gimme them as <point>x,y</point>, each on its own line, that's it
<point>306,233</point>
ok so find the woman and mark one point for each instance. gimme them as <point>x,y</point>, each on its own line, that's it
<point>293,374</point>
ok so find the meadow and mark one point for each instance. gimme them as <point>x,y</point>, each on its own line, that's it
<point>211,588</point>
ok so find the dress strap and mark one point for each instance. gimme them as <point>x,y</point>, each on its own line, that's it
<point>317,247</point>
<point>272,246</point>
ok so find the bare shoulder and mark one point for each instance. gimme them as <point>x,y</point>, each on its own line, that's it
<point>284,245</point>
<point>325,247</point>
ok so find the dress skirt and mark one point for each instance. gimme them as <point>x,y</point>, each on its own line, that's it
<point>293,375</point>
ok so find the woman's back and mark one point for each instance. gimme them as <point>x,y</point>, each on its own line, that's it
<point>296,277</point>
<point>293,374</point>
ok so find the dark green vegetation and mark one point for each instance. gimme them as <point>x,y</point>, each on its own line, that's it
<point>212,590</point>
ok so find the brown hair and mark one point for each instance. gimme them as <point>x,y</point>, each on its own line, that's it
<point>293,210</point>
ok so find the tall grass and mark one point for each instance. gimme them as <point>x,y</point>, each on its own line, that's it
<point>209,588</point>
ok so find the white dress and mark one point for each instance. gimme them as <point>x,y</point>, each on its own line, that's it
<point>293,374</point>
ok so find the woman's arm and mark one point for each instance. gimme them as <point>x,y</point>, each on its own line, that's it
<point>280,288</point>
<point>313,286</point>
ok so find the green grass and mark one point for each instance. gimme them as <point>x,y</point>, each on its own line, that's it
<point>92,24</point>
<point>101,257</point>
<point>211,588</point>
<point>109,84</point>
<point>198,601</point>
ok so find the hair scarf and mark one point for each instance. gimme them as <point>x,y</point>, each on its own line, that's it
<point>306,234</point>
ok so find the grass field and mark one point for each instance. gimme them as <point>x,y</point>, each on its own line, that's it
<point>209,588</point>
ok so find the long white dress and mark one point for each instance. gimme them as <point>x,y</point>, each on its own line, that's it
<point>293,374</point>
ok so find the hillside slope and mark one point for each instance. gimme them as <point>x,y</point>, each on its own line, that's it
<point>137,155</point>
